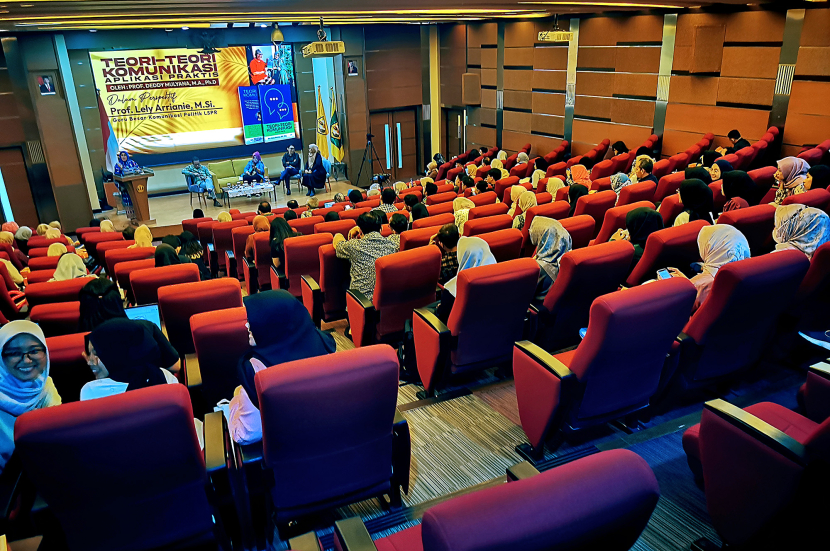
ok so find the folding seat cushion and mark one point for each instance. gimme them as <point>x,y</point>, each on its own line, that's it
<point>301,259</point>
<point>94,239</point>
<point>338,226</point>
<point>674,246</point>
<point>59,318</point>
<point>75,456</point>
<point>55,291</point>
<point>306,225</point>
<point>812,156</point>
<point>223,242</point>
<point>602,169</point>
<point>235,256</point>
<point>192,224</point>
<point>614,371</point>
<point>326,300</point>
<point>615,219</point>
<point>437,220</point>
<point>670,208</point>
<point>352,214</point>
<point>258,271</point>
<point>584,275</point>
<point>487,296</point>
<point>756,223</point>
<point>504,244</point>
<point>361,438</point>
<point>67,365</point>
<point>557,169</point>
<point>412,239</point>
<point>245,215</point>
<point>488,210</point>
<point>440,208</point>
<point>581,229</point>
<point>818,198</point>
<point>404,281</point>
<point>445,187</point>
<point>595,205</point>
<point>370,203</point>
<point>146,283</point>
<point>220,338</point>
<point>486,198</point>
<point>43,263</point>
<point>733,326</point>
<point>505,183</point>
<point>643,191</point>
<point>601,184</point>
<point>484,225</point>
<point>115,256</point>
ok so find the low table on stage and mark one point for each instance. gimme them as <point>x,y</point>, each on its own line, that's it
<point>246,190</point>
<point>136,185</point>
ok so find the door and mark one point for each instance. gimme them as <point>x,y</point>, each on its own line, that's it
<point>396,143</point>
<point>454,137</point>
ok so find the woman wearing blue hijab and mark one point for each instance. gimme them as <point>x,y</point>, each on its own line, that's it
<point>125,165</point>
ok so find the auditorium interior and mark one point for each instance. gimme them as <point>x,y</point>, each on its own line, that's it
<point>414,275</point>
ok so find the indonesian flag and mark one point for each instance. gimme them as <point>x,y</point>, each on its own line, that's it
<point>110,141</point>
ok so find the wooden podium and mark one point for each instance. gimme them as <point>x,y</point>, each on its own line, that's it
<point>136,186</point>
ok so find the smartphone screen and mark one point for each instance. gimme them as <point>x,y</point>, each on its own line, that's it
<point>663,274</point>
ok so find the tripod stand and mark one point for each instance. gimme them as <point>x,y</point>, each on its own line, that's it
<point>371,155</point>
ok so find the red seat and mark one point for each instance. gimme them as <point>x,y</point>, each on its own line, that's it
<point>601,184</point>
<point>602,169</point>
<point>115,256</point>
<point>718,198</point>
<point>812,156</point>
<point>258,271</point>
<point>614,371</point>
<point>43,263</point>
<point>192,224</point>
<point>556,210</point>
<point>679,162</point>
<point>67,366</point>
<point>440,208</point>
<point>488,210</point>
<point>581,229</point>
<point>557,169</point>
<point>205,236</point>
<point>756,223</point>
<point>584,275</point>
<point>595,205</point>
<point>243,215</point>
<point>146,283</point>
<point>615,219</point>
<point>507,200</point>
<point>732,328</point>
<point>411,191</point>
<point>562,193</point>
<point>619,163</point>
<point>510,161</point>
<point>674,246</point>
<point>643,191</point>
<point>338,226</point>
<point>437,220</point>
<point>123,271</point>
<point>670,208</point>
<point>235,256</point>
<point>41,242</point>
<point>301,259</point>
<point>352,214</point>
<point>519,170</point>
<point>55,291</point>
<point>39,276</point>
<point>369,203</point>
<point>810,307</point>
<point>504,244</point>
<point>661,168</point>
<point>543,198</point>
<point>82,233</point>
<point>223,242</point>
<point>102,248</point>
<point>504,184</point>
<point>574,161</point>
<point>404,281</point>
<point>484,225</point>
<point>486,198</point>
<point>745,156</point>
<point>442,170</point>
<point>818,198</point>
<point>412,239</point>
<point>487,296</point>
<point>326,300</point>
<point>764,178</point>
<point>306,225</point>
<point>441,198</point>
<point>59,318</point>
<point>94,239</point>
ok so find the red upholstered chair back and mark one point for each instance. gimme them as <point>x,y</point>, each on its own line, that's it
<point>220,338</point>
<point>245,215</point>
<point>369,203</point>
<point>574,161</point>
<point>756,223</point>
<point>223,238</point>
<point>488,210</point>
<point>39,241</point>
<point>643,191</point>
<point>437,220</point>
<point>337,207</point>
<point>302,258</point>
<point>146,283</point>
<point>445,187</point>
<point>482,171</point>
<point>619,162</point>
<point>106,246</point>
<point>55,291</point>
<point>334,281</point>
<point>679,162</point>
<point>668,185</point>
<point>177,303</point>
<point>489,297</point>
<point>584,274</point>
<point>489,224</point>
<point>352,214</point>
<point>519,170</point>
<point>80,232</point>
<point>405,281</point>
<point>812,304</point>
<point>486,198</point>
<point>615,219</point>
<point>411,191</point>
<point>543,198</point>
<point>306,225</point>
<point>504,244</point>
<point>116,256</point>
<point>601,184</point>
<point>581,229</point>
<point>764,178</point>
<point>562,193</point>
<point>205,234</point>
<point>94,239</point>
<point>437,198</point>
<point>556,210</point>
<point>43,263</point>
<point>239,236</point>
<point>745,156</point>
<point>718,198</point>
<point>308,407</point>
<point>602,169</point>
<point>440,208</point>
<point>192,224</point>
<point>557,169</point>
<point>76,456</point>
<point>57,318</point>
<point>505,183</point>
<point>595,205</point>
<point>338,226</point>
<point>38,276</point>
<point>67,366</point>
<point>453,173</point>
<point>812,156</point>
<point>506,199</point>
<point>740,313</point>
<point>538,514</point>
<point>412,239</point>
<point>675,247</point>
<point>818,198</point>
<point>670,208</point>
<point>124,269</point>
<point>620,360</point>
<point>442,170</point>
<point>262,257</point>
<point>510,161</point>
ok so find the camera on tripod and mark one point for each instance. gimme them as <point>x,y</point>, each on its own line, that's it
<point>369,136</point>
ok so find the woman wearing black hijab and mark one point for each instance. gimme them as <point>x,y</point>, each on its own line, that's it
<point>700,173</point>
<point>709,157</point>
<point>279,331</point>
<point>739,189</point>
<point>574,193</point>
<point>698,202</point>
<point>166,256</point>
<point>100,301</point>
<point>192,249</point>
<point>719,168</point>
<point>419,211</point>
<point>640,223</point>
<point>280,231</point>
<point>818,176</point>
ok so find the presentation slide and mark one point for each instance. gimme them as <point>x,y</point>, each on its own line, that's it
<point>176,100</point>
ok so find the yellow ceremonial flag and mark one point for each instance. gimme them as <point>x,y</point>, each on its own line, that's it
<point>322,127</point>
<point>336,142</point>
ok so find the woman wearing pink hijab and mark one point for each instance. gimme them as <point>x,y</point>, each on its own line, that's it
<point>790,176</point>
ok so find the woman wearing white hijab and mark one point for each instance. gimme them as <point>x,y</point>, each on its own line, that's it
<point>25,384</point>
<point>461,208</point>
<point>718,245</point>
<point>552,241</point>
<point>527,201</point>
<point>70,266</point>
<point>472,253</point>
<point>502,156</point>
<point>800,227</point>
<point>522,158</point>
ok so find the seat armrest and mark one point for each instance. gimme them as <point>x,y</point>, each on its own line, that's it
<point>218,452</point>
<point>765,433</point>
<point>521,471</point>
<point>363,317</point>
<point>213,260</point>
<point>434,342</point>
<point>312,298</point>
<point>364,302</point>
<point>279,273</point>
<point>401,452</point>
<point>250,453</point>
<point>351,535</point>
<point>251,276</point>
<point>192,373</point>
<point>305,542</point>
<point>822,369</point>
<point>547,361</point>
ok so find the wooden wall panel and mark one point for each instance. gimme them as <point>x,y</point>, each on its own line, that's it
<point>480,135</point>
<point>521,57</point>
<point>488,98</point>
<point>813,61</point>
<point>697,90</point>
<point>597,58</point>
<point>755,26</point>
<point>482,34</point>
<point>548,81</point>
<point>391,52</point>
<point>453,45</point>
<point>593,107</point>
<point>802,129</point>
<point>595,84</point>
<point>520,34</point>
<point>517,121</point>
<point>593,132</point>
<point>747,91</point>
<point>518,80</point>
<point>489,77</point>
<point>720,120</point>
<point>550,58</point>
<point>550,125</point>
<point>489,58</point>
<point>515,99</point>
<point>548,104</point>
<point>750,62</point>
<point>645,59</point>
<point>814,32</point>
<point>640,113</point>
<point>810,98</point>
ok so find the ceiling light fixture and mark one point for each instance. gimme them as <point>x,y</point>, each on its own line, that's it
<point>185,28</point>
<point>93,30</point>
<point>604,4</point>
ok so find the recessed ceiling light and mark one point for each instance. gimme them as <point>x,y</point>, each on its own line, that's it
<point>93,30</point>
<point>263,25</point>
<point>168,30</point>
<point>185,28</point>
<point>27,5</point>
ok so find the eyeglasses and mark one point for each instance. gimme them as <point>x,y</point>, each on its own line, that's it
<point>16,356</point>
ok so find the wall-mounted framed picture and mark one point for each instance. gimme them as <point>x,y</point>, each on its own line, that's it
<point>352,69</point>
<point>46,84</point>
